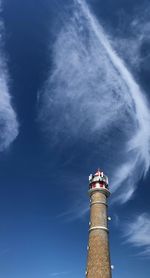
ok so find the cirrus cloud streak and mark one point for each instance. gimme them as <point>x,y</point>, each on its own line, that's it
<point>92,97</point>
<point>137,233</point>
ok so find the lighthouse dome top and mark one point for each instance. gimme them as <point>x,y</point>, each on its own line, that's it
<point>98,176</point>
<point>99,182</point>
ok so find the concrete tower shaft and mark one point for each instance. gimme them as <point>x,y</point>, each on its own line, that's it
<point>98,261</point>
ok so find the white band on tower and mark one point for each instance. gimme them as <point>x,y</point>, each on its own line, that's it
<point>99,228</point>
<point>98,202</point>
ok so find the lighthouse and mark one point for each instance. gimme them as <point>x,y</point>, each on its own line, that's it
<point>98,259</point>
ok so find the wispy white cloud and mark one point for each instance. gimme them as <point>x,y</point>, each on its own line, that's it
<point>78,211</point>
<point>90,95</point>
<point>138,147</point>
<point>133,45</point>
<point>58,274</point>
<point>8,119</point>
<point>137,233</point>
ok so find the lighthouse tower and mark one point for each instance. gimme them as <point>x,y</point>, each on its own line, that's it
<point>98,261</point>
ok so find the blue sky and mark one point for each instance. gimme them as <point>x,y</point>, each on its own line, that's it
<point>74,81</point>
